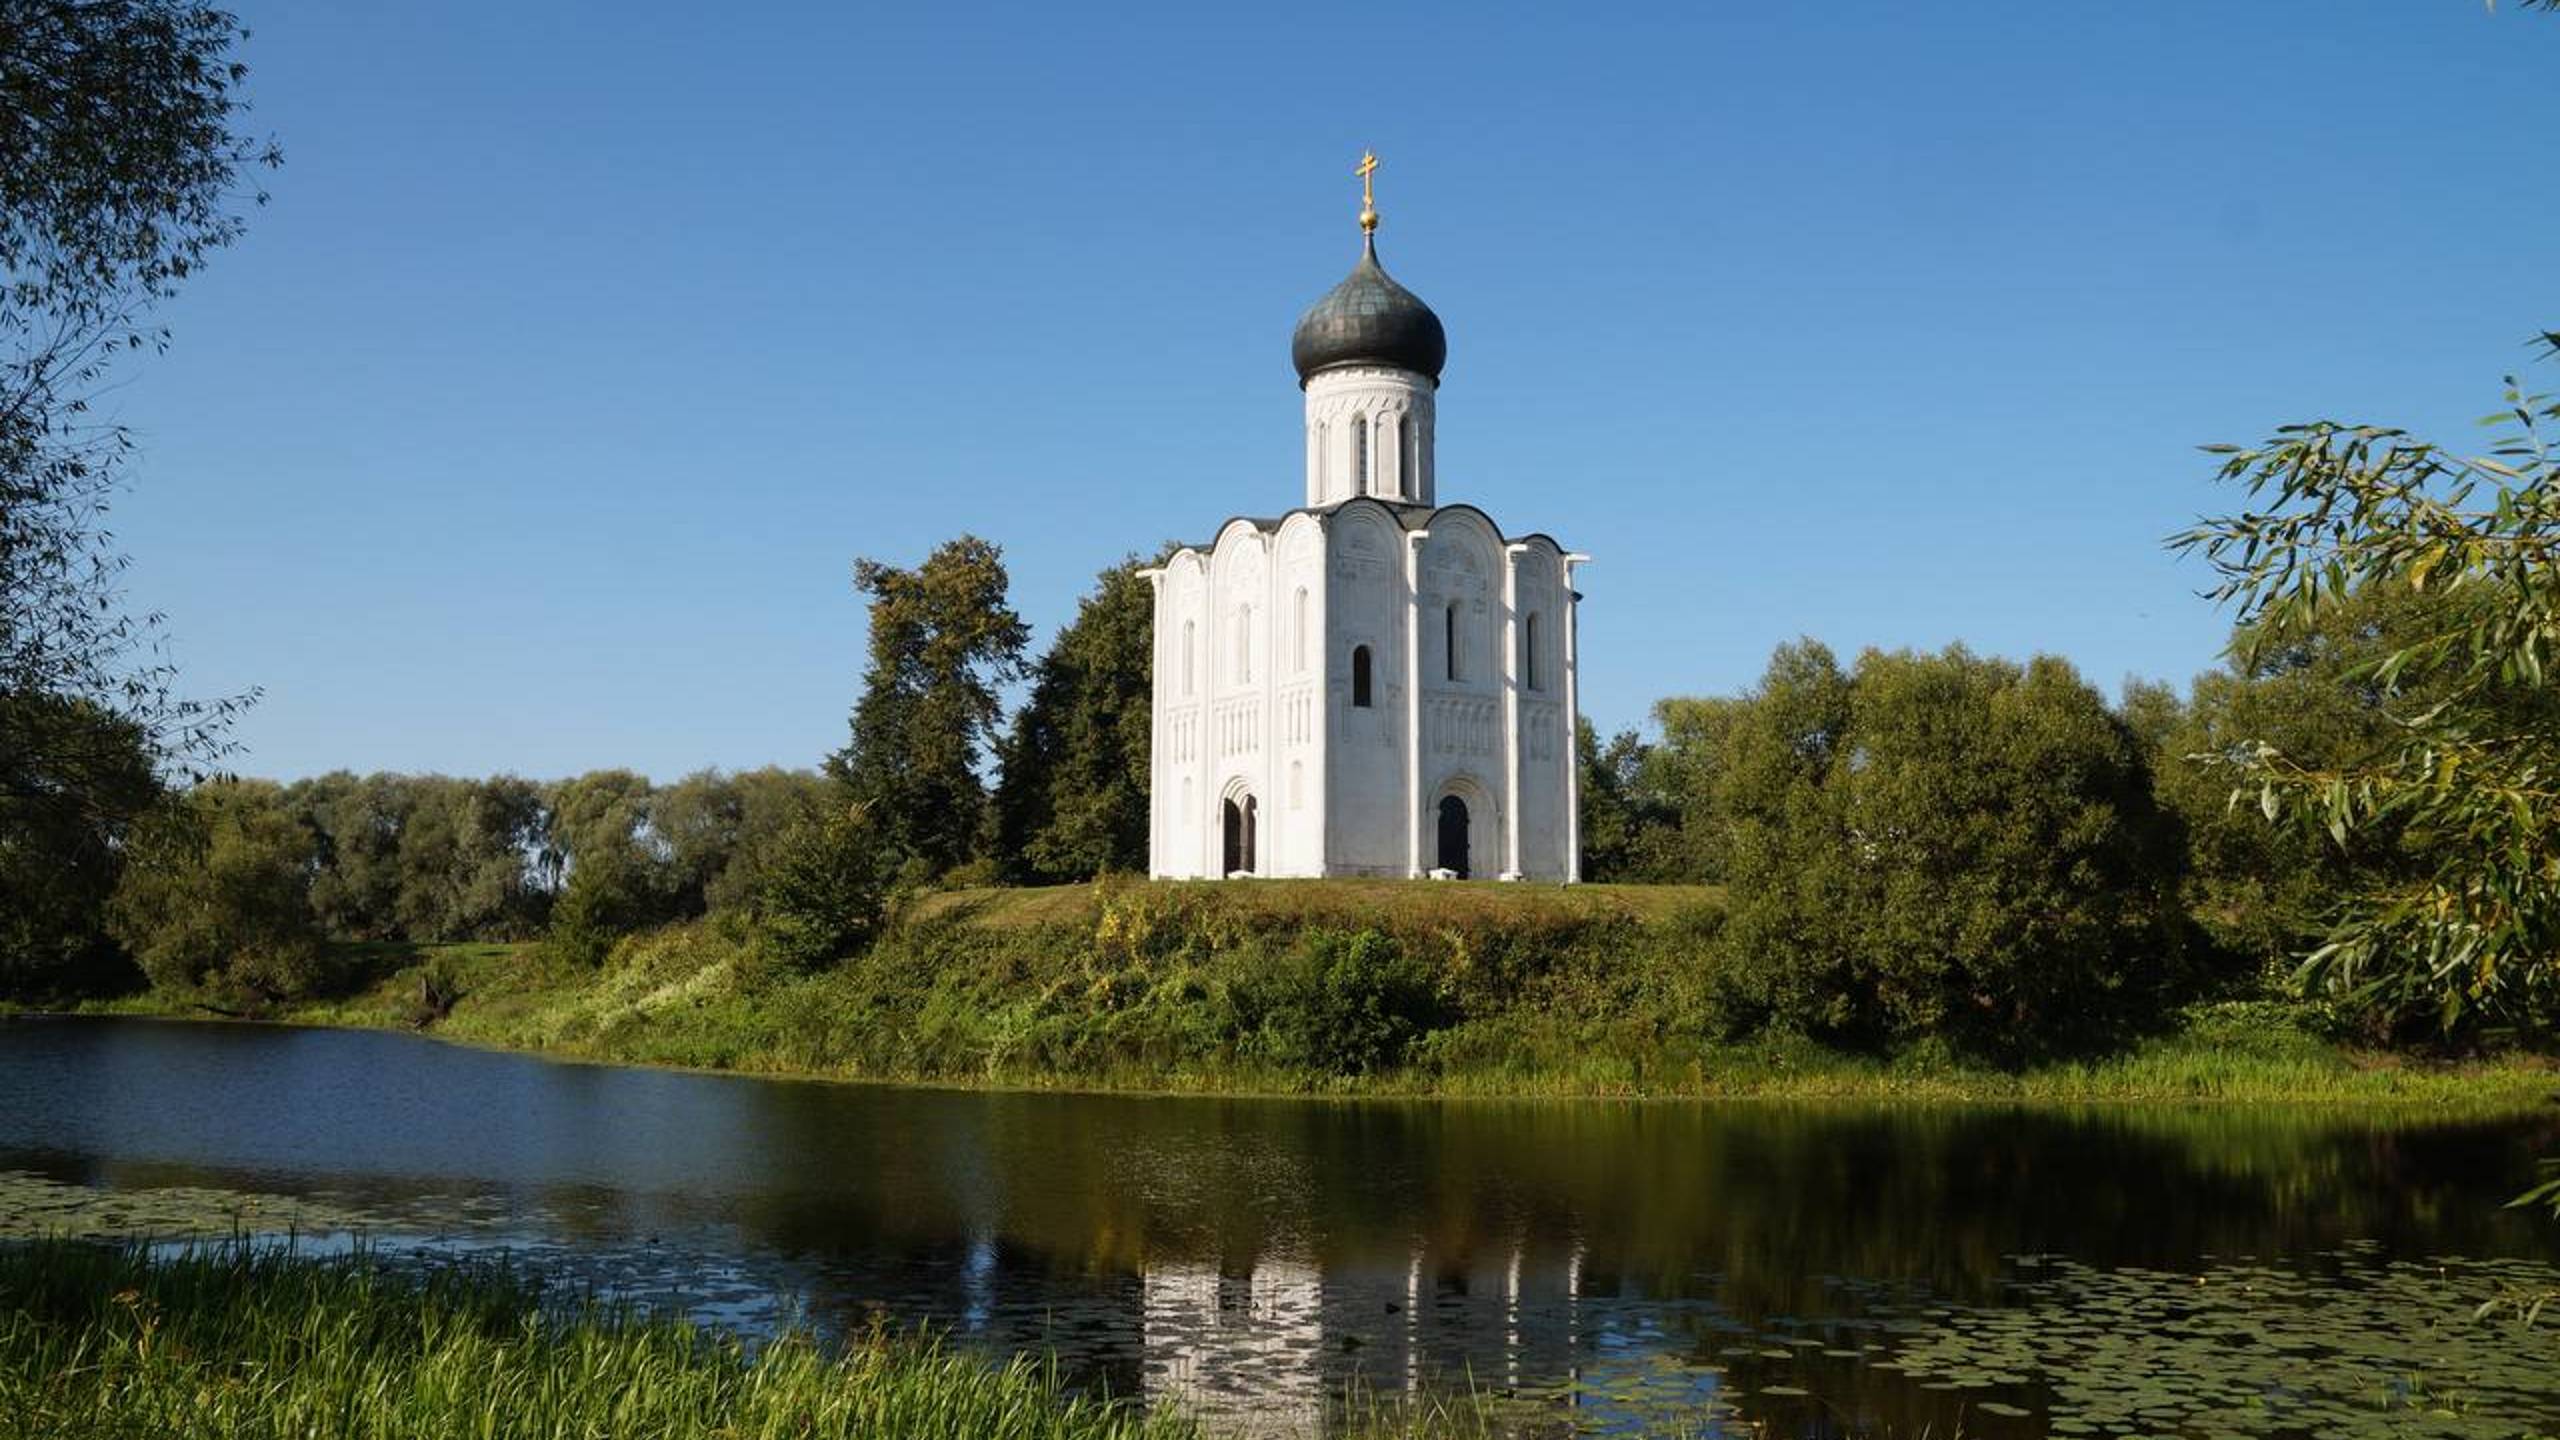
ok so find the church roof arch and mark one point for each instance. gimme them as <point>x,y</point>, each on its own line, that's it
<point>1463,516</point>
<point>1236,531</point>
<point>1186,565</point>
<point>1363,514</point>
<point>1298,526</point>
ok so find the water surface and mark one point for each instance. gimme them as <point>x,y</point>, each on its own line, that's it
<point>1825,1269</point>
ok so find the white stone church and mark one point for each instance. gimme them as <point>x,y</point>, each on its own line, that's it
<point>1374,683</point>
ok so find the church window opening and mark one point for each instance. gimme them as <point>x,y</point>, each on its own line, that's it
<point>1244,645</point>
<point>1298,630</point>
<point>1360,677</point>
<point>1323,471</point>
<point>1412,461</point>
<point>1190,644</point>
<point>1449,640</point>
<point>1359,454</point>
<point>1529,652</point>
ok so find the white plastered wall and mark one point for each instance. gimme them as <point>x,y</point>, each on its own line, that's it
<point>1463,740</point>
<point>1365,780</point>
<point>1395,409</point>
<point>1239,716</point>
<point>1546,720</point>
<point>1295,814</point>
<point>1177,846</point>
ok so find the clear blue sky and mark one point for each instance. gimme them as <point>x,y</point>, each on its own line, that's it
<point>537,421</point>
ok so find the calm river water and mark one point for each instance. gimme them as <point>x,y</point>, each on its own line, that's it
<point>1828,1270</point>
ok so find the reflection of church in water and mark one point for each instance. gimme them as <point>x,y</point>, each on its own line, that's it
<point>1373,683</point>
<point>1276,1340</point>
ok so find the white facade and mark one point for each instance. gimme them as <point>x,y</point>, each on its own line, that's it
<point>1375,684</point>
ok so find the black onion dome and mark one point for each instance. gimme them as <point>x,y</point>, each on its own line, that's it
<point>1369,319</point>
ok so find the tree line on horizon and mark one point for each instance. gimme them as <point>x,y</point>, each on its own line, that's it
<point>234,889</point>
<point>1909,844</point>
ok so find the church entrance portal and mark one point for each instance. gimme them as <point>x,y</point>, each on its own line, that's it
<point>1239,816</point>
<point>1453,835</point>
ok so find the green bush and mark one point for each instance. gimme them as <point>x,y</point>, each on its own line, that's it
<point>826,887</point>
<point>1943,845</point>
<point>1337,1004</point>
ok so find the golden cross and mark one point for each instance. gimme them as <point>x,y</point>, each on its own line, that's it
<point>1368,166</point>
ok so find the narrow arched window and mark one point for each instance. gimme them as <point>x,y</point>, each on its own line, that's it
<point>1190,647</point>
<point>1298,631</point>
<point>1412,459</point>
<point>1244,645</point>
<point>1323,468</point>
<point>1529,651</point>
<point>1449,638</point>
<point>1360,677</point>
<point>1359,454</point>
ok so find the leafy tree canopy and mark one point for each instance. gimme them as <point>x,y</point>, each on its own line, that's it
<point>121,172</point>
<point>2455,756</point>
<point>81,773</point>
<point>1940,845</point>
<point>217,899</point>
<point>1072,798</point>
<point>943,639</point>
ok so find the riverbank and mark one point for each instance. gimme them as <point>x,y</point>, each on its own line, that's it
<point>242,1341</point>
<point>1330,987</point>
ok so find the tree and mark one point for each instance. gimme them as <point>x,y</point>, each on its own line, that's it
<point>2264,893</point>
<point>216,898</point>
<point>1941,845</point>
<point>1649,811</point>
<point>942,640</point>
<point>1630,828</point>
<point>121,173</point>
<point>465,858</point>
<point>1071,800</point>
<point>2463,771</point>
<point>619,877</point>
<point>356,825</point>
<point>1681,773</point>
<point>64,820</point>
<point>826,890</point>
<point>723,833</point>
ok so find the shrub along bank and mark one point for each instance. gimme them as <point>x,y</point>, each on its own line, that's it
<point>1311,986</point>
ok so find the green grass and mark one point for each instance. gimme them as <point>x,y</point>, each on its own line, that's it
<point>1469,989</point>
<point>242,1340</point>
<point>1335,901</point>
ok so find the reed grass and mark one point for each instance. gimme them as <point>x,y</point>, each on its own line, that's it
<point>248,1341</point>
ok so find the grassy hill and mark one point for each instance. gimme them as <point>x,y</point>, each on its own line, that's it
<point>1332,986</point>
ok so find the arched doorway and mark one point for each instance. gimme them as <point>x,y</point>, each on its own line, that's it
<point>1453,835</point>
<point>1239,816</point>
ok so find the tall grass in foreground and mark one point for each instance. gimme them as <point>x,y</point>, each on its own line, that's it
<point>244,1342</point>
<point>247,1340</point>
